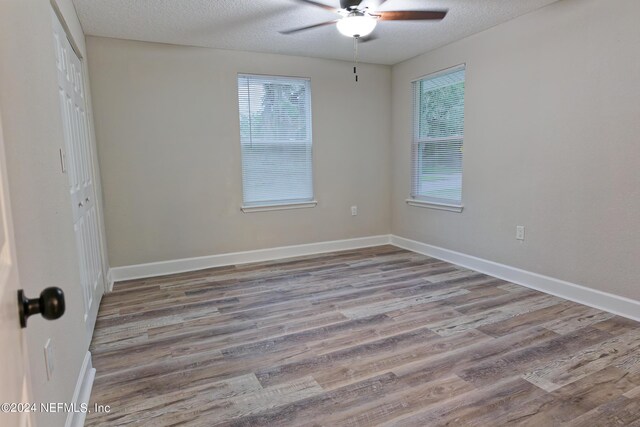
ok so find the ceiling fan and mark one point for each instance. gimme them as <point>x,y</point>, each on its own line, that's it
<point>358,21</point>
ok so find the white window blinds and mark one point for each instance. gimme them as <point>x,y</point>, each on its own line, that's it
<point>438,131</point>
<point>275,137</point>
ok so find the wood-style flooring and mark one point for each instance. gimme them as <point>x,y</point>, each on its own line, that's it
<point>377,336</point>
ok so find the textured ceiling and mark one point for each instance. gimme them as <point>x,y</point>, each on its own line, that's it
<point>254,25</point>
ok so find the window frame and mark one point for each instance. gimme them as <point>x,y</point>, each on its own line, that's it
<point>281,204</point>
<point>416,142</point>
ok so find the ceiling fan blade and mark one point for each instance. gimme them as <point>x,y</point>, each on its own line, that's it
<point>318,4</point>
<point>411,15</point>
<point>308,27</point>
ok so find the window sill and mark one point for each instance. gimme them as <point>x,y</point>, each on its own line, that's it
<point>282,207</point>
<point>435,205</point>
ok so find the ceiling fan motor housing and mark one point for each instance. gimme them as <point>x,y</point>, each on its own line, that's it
<point>357,21</point>
<point>350,4</point>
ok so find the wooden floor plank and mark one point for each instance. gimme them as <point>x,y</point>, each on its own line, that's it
<point>375,336</point>
<point>523,359</point>
<point>474,408</point>
<point>571,367</point>
<point>577,398</point>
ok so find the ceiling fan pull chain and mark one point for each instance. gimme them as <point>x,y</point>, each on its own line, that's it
<point>355,57</point>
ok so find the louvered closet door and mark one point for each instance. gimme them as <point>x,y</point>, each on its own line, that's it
<point>79,166</point>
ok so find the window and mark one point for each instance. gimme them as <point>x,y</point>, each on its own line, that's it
<point>275,138</point>
<point>438,130</point>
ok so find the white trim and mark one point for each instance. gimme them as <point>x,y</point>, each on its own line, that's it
<point>279,207</point>
<point>435,205</point>
<point>65,27</point>
<point>615,304</point>
<point>442,72</point>
<point>192,264</point>
<point>272,77</point>
<point>82,392</point>
<point>110,281</point>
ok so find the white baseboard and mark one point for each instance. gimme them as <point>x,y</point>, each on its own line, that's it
<point>82,393</point>
<point>193,264</point>
<point>615,304</point>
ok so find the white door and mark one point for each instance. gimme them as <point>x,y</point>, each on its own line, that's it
<point>14,378</point>
<point>78,162</point>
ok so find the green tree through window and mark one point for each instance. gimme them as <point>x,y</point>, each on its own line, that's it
<point>275,136</point>
<point>438,137</point>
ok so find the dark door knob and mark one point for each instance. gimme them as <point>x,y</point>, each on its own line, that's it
<point>50,305</point>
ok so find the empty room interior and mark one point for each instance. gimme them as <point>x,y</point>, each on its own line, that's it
<point>319,213</point>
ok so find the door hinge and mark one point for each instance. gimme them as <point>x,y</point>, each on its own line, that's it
<point>63,161</point>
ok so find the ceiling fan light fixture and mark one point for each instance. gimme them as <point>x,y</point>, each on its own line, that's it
<point>356,24</point>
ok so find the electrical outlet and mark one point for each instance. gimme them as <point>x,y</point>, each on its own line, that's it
<point>354,210</point>
<point>520,232</point>
<point>48,359</point>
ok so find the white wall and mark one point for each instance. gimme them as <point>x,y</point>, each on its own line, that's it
<point>168,137</point>
<point>551,143</point>
<point>45,242</point>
